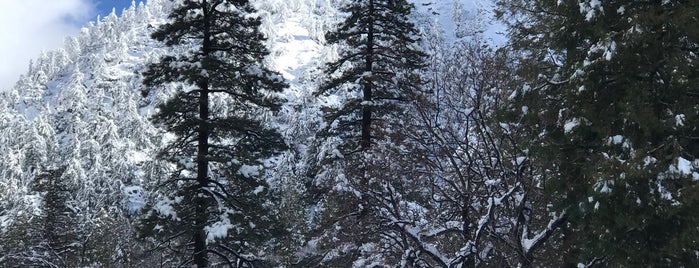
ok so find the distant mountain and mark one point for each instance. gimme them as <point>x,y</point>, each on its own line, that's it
<point>80,115</point>
<point>574,145</point>
<point>82,105</point>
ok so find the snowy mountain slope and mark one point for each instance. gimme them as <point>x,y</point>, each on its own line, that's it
<point>81,108</point>
<point>464,182</point>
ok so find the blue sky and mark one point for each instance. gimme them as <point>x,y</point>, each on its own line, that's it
<point>103,7</point>
<point>28,27</point>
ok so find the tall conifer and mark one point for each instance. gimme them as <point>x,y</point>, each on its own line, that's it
<point>376,77</point>
<point>214,202</point>
<point>613,87</point>
<point>379,64</point>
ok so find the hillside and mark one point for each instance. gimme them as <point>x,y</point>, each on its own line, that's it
<point>358,133</point>
<point>80,115</point>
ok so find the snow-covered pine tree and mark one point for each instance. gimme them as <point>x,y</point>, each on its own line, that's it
<point>60,242</point>
<point>47,238</point>
<point>613,84</point>
<point>367,168</point>
<point>379,65</point>
<point>214,204</point>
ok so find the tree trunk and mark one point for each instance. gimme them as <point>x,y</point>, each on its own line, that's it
<point>200,253</point>
<point>202,178</point>
<point>366,110</point>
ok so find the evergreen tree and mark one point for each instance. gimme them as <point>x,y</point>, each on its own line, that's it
<point>379,65</point>
<point>60,238</point>
<point>46,236</point>
<point>376,77</point>
<point>613,84</point>
<point>214,203</point>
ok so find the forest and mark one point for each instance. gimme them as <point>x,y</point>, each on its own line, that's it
<point>359,133</point>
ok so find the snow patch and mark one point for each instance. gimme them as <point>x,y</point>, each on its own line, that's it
<point>138,157</point>
<point>4,222</point>
<point>618,139</point>
<point>604,186</point>
<point>294,48</point>
<point>521,159</point>
<point>528,243</point>
<point>258,190</point>
<point>570,125</point>
<point>165,209</point>
<point>590,8</point>
<point>621,10</point>
<point>679,120</point>
<point>685,167</point>
<point>249,171</point>
<point>218,229</point>
<point>35,203</point>
<point>649,160</point>
<point>134,199</point>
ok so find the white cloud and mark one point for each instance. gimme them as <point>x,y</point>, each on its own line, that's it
<point>29,26</point>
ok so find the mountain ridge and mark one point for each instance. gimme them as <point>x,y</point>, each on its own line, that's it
<point>82,109</point>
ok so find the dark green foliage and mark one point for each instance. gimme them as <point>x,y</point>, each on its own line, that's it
<point>365,164</point>
<point>49,237</point>
<point>613,84</point>
<point>215,206</point>
<point>380,59</point>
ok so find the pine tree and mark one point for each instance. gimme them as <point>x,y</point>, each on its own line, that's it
<point>376,77</point>
<point>46,234</point>
<point>379,65</point>
<point>614,87</point>
<point>215,201</point>
<point>58,220</point>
